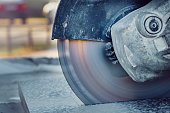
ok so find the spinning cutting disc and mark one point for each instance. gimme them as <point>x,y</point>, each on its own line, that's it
<point>94,79</point>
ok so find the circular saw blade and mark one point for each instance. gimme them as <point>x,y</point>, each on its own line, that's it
<point>96,80</point>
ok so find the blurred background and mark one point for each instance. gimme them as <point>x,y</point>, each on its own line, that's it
<point>25,28</point>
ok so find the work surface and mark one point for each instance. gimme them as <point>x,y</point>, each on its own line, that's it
<point>45,90</point>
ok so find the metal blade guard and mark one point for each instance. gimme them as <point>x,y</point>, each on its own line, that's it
<point>91,19</point>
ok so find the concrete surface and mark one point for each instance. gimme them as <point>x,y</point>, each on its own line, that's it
<point>140,106</point>
<point>11,108</point>
<point>27,65</point>
<point>49,95</point>
<point>13,71</point>
<point>11,100</point>
<point>9,93</point>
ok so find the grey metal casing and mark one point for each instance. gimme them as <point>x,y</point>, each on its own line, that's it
<point>90,19</point>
